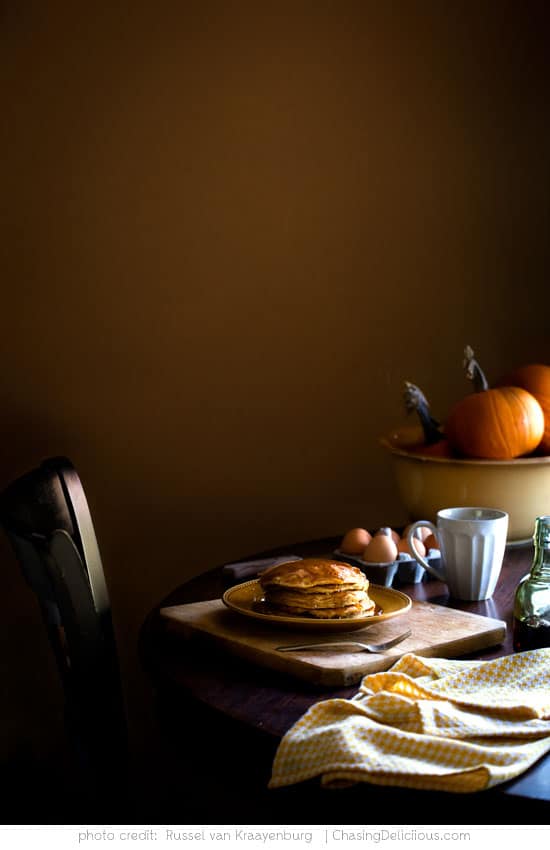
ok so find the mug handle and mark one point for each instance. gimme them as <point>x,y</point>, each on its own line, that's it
<point>410,536</point>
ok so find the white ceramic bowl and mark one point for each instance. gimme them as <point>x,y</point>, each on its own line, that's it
<point>521,487</point>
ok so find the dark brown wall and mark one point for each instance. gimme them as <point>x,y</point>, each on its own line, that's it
<point>230,232</point>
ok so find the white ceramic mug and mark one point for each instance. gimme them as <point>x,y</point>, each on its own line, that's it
<point>472,543</point>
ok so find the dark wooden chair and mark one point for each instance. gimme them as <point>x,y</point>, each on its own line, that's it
<point>47,520</point>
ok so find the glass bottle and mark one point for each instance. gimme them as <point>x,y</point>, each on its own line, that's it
<point>531,629</point>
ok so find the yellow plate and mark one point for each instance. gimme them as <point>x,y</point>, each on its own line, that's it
<point>248,599</point>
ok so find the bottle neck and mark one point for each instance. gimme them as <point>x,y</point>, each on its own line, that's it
<point>541,539</point>
<point>541,563</point>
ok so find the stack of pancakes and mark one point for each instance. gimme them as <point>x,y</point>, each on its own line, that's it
<point>317,587</point>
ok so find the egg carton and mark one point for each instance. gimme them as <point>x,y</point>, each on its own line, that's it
<point>406,569</point>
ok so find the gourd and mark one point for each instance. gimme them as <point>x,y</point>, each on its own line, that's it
<point>535,378</point>
<point>434,443</point>
<point>499,423</point>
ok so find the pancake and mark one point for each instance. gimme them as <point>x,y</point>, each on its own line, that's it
<point>314,572</point>
<point>317,587</point>
<point>337,599</point>
<point>330,613</point>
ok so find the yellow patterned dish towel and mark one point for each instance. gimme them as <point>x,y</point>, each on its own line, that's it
<point>427,723</point>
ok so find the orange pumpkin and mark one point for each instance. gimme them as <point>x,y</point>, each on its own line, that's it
<point>534,378</point>
<point>500,423</point>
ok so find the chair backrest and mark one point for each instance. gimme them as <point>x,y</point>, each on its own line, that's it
<point>47,519</point>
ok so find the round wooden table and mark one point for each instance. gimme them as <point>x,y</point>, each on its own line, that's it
<point>222,718</point>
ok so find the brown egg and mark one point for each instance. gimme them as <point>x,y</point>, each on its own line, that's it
<point>421,532</point>
<point>389,531</point>
<point>430,542</point>
<point>355,541</point>
<point>381,550</point>
<point>403,546</point>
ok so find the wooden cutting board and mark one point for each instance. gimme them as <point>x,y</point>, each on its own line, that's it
<point>436,631</point>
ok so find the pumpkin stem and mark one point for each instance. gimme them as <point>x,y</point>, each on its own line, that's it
<point>415,400</point>
<point>474,372</point>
